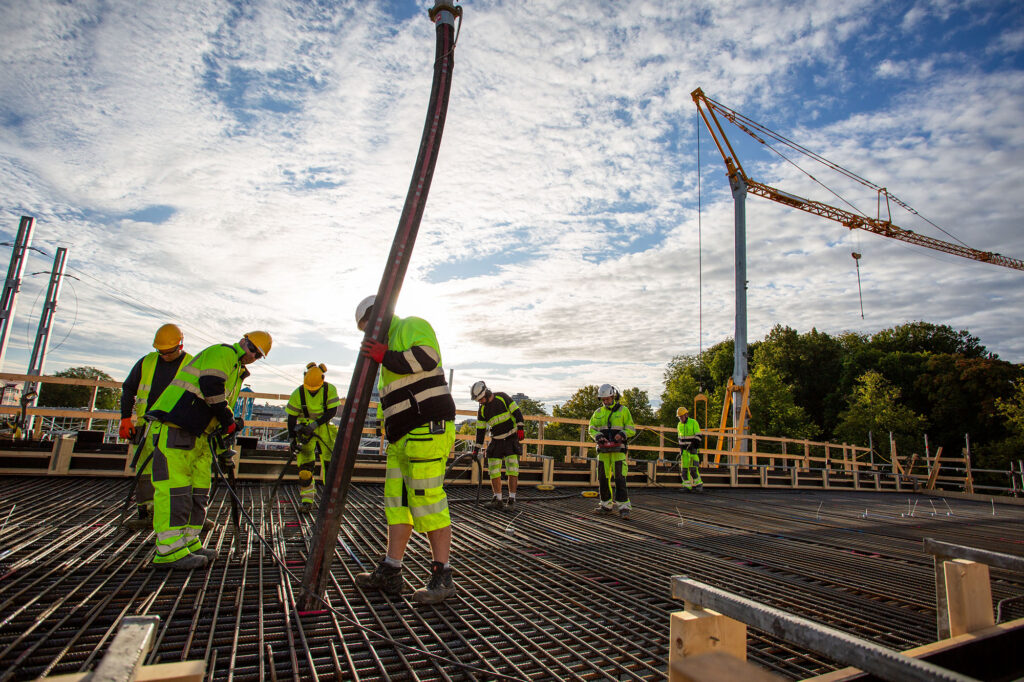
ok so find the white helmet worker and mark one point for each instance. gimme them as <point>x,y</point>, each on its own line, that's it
<point>607,391</point>
<point>478,390</point>
<point>363,309</point>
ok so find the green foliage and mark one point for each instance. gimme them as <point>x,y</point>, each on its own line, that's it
<point>1012,409</point>
<point>640,409</point>
<point>66,395</point>
<point>875,406</point>
<point>773,409</point>
<point>531,406</point>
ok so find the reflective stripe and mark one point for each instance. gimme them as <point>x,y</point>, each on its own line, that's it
<point>393,502</point>
<point>396,408</point>
<point>164,548</point>
<point>393,473</point>
<point>414,364</point>
<point>426,395</point>
<point>410,379</point>
<point>428,509</point>
<point>427,483</point>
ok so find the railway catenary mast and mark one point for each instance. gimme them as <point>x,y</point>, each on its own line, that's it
<point>339,474</point>
<point>741,184</point>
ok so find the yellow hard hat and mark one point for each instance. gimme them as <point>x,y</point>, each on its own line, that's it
<point>168,336</point>
<point>313,379</point>
<point>261,340</point>
<point>682,412</point>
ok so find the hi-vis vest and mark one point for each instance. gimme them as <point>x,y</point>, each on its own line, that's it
<point>206,384</point>
<point>311,406</point>
<point>413,390</point>
<point>146,383</point>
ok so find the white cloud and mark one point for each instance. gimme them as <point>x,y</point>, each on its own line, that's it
<point>562,219</point>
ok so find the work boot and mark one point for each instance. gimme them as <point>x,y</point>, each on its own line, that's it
<point>139,524</point>
<point>387,579</point>
<point>495,503</point>
<point>209,524</point>
<point>601,509</point>
<point>210,554</point>
<point>510,505</point>
<point>699,488</point>
<point>306,507</point>
<point>438,588</point>
<point>624,513</point>
<point>187,562</point>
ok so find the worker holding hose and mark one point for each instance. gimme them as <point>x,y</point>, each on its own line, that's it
<point>499,414</point>
<point>147,380</point>
<point>310,410</point>
<point>689,459</point>
<point>611,427</point>
<point>193,411</point>
<point>419,424</point>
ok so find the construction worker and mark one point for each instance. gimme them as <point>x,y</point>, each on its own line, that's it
<point>419,424</point>
<point>611,427</point>
<point>689,441</point>
<point>147,380</point>
<point>191,418</point>
<point>310,410</point>
<point>499,413</point>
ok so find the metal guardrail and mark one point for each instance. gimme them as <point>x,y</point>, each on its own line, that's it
<point>839,646</point>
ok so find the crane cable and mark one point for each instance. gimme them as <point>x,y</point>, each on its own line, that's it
<point>742,122</point>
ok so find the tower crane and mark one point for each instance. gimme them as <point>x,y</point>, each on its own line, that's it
<point>741,183</point>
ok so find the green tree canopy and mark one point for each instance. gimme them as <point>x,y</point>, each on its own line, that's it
<point>66,395</point>
<point>876,407</point>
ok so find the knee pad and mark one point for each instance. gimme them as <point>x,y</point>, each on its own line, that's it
<point>305,476</point>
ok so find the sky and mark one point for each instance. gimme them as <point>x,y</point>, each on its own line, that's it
<point>231,166</point>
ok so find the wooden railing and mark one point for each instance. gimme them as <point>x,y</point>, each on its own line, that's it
<point>753,460</point>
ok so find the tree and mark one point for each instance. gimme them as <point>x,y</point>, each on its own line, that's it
<point>773,410</point>
<point>67,395</point>
<point>531,406</point>
<point>875,406</point>
<point>924,337</point>
<point>640,409</point>
<point>1012,409</point>
<point>580,405</point>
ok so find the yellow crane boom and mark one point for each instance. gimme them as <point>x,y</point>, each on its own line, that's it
<point>708,108</point>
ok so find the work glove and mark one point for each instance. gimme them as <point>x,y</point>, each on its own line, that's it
<point>476,452</point>
<point>520,434</point>
<point>305,431</point>
<point>127,429</point>
<point>235,425</point>
<point>374,349</point>
<point>619,438</point>
<point>601,440</point>
<point>293,444</point>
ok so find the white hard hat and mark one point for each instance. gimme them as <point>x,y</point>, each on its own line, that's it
<point>607,391</point>
<point>364,307</point>
<point>477,390</point>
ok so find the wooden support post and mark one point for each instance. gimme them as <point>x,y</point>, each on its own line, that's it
<point>60,460</point>
<point>968,596</point>
<point>933,474</point>
<point>547,476</point>
<point>540,438</point>
<point>968,477</point>
<point>824,478</point>
<point>698,631</point>
<point>652,472</point>
<point>794,476</point>
<point>92,406</point>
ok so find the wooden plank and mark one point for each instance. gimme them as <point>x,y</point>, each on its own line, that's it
<point>699,631</point>
<point>181,671</point>
<point>968,596</point>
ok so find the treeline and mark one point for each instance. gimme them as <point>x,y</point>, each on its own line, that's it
<point>910,380</point>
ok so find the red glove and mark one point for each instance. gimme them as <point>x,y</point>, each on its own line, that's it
<point>374,349</point>
<point>127,430</point>
<point>619,438</point>
<point>520,434</point>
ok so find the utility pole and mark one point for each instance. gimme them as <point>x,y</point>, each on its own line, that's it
<point>35,365</point>
<point>339,474</point>
<point>22,243</point>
